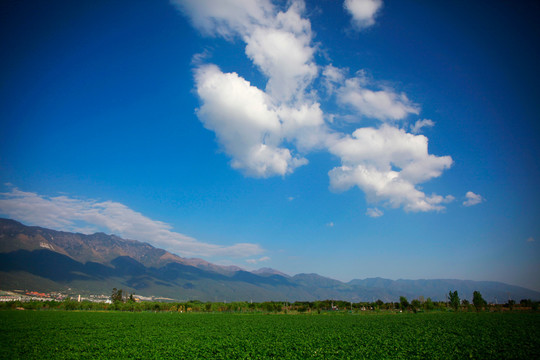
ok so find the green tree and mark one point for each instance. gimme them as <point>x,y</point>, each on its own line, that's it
<point>117,296</point>
<point>478,300</point>
<point>454,300</point>
<point>403,303</point>
<point>415,304</point>
<point>428,304</point>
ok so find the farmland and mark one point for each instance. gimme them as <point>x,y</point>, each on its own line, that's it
<point>145,335</point>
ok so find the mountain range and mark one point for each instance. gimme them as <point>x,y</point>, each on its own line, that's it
<point>41,259</point>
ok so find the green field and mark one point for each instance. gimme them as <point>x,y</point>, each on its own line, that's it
<point>109,335</point>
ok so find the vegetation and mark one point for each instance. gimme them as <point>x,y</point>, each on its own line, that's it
<point>454,300</point>
<point>403,302</point>
<point>114,335</point>
<point>117,296</point>
<point>120,301</point>
<point>478,301</point>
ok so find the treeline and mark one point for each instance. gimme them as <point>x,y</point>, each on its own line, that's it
<point>326,306</point>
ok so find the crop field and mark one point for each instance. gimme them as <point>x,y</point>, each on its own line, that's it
<point>110,335</point>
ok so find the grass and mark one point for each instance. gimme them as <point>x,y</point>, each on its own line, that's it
<point>166,335</point>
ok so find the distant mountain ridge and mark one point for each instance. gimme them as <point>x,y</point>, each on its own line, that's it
<point>48,260</point>
<point>98,247</point>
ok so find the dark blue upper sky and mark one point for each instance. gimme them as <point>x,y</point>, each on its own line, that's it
<point>282,135</point>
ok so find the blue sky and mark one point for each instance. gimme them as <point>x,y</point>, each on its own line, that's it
<point>352,139</point>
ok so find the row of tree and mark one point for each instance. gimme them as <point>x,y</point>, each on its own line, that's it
<point>453,302</point>
<point>478,300</point>
<point>127,302</point>
<point>334,305</point>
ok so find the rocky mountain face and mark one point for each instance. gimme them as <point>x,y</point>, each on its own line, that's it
<point>98,247</point>
<point>47,260</point>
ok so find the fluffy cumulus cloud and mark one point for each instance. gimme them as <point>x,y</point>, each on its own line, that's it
<point>363,12</point>
<point>88,216</point>
<point>278,42</point>
<point>252,124</point>
<point>244,122</point>
<point>387,163</point>
<point>284,53</point>
<point>270,131</point>
<point>472,199</point>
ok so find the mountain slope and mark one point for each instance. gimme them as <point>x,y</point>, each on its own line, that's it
<point>97,247</point>
<point>47,260</point>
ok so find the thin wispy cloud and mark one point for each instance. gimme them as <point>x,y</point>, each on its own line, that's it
<point>382,104</point>
<point>420,124</point>
<point>374,212</point>
<point>271,131</point>
<point>259,260</point>
<point>90,216</point>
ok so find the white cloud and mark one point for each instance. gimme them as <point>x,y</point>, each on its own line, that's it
<point>330,224</point>
<point>268,132</point>
<point>88,216</point>
<point>388,147</point>
<point>472,199</point>
<point>374,212</point>
<point>244,123</point>
<point>278,42</point>
<point>384,104</point>
<point>284,53</point>
<point>251,124</point>
<point>417,126</point>
<point>334,74</point>
<point>442,199</point>
<point>226,18</point>
<point>255,261</point>
<point>332,77</point>
<point>387,163</point>
<point>304,126</point>
<point>363,12</point>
